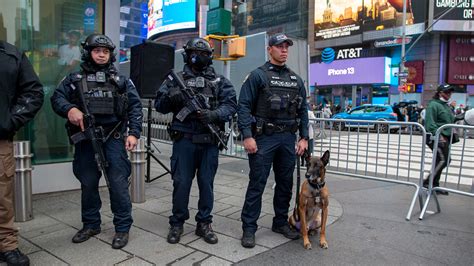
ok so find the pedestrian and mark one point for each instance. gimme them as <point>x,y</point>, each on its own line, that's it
<point>21,97</point>
<point>439,113</point>
<point>114,104</point>
<point>272,108</point>
<point>195,148</point>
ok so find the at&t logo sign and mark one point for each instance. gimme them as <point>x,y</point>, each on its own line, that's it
<point>328,54</point>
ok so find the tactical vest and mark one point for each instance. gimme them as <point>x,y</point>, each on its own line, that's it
<point>206,88</point>
<point>280,99</point>
<point>103,96</point>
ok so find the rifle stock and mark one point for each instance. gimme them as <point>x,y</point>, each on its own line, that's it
<point>195,103</point>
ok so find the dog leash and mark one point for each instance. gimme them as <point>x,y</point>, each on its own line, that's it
<point>298,181</point>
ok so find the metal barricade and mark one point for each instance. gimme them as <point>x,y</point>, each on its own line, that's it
<point>22,195</point>
<point>137,158</point>
<point>458,176</point>
<point>384,151</point>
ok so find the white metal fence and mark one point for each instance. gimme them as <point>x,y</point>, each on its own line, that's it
<point>393,152</point>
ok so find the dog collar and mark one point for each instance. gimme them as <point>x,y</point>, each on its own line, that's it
<point>317,186</point>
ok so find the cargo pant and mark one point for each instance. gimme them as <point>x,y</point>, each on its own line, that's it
<point>8,232</point>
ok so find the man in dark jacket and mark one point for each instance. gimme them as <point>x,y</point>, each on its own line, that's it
<point>113,102</point>
<point>195,149</point>
<point>272,108</point>
<point>21,97</point>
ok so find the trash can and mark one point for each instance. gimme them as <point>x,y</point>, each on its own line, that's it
<point>137,158</point>
<point>22,195</point>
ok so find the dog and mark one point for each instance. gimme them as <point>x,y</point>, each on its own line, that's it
<point>314,196</point>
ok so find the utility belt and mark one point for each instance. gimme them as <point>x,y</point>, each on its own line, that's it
<point>205,138</point>
<point>269,128</point>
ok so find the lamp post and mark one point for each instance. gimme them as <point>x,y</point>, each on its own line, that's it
<point>402,57</point>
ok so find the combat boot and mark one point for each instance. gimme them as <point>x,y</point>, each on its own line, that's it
<point>205,231</point>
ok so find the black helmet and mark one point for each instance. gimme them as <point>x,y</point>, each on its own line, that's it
<point>198,44</point>
<point>198,61</point>
<point>97,40</point>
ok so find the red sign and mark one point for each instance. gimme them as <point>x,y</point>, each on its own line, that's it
<point>415,71</point>
<point>461,60</point>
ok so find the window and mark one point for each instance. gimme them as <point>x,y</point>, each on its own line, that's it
<point>49,32</point>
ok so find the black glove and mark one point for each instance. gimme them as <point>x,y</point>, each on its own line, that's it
<point>176,97</point>
<point>207,116</point>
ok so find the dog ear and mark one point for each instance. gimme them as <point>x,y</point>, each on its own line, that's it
<point>307,156</point>
<point>325,158</point>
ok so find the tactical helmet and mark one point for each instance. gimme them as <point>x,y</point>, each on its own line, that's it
<point>97,40</point>
<point>198,44</point>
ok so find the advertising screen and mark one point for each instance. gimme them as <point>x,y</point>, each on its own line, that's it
<point>353,71</point>
<point>341,18</point>
<point>460,18</point>
<point>170,15</point>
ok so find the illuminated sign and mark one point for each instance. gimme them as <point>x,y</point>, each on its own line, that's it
<point>170,15</point>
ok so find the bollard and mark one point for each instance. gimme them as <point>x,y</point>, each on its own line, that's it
<point>137,158</point>
<point>22,195</point>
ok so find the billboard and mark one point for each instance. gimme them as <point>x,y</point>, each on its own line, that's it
<point>170,15</point>
<point>459,18</point>
<point>341,18</point>
<point>461,60</point>
<point>351,71</point>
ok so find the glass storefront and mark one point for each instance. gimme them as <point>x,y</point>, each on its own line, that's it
<point>49,32</point>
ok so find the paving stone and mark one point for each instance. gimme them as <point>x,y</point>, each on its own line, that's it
<point>154,248</point>
<point>91,252</point>
<point>44,258</point>
<point>44,230</point>
<point>227,226</point>
<point>154,206</point>
<point>233,200</point>
<point>228,248</point>
<point>190,259</point>
<point>40,220</point>
<point>154,223</point>
<point>26,246</point>
<point>229,211</point>
<point>189,237</point>
<point>134,261</point>
<point>219,206</point>
<point>156,192</point>
<point>215,261</point>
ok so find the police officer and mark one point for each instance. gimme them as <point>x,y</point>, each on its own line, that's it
<point>195,150</point>
<point>114,103</point>
<point>272,107</point>
<point>21,97</point>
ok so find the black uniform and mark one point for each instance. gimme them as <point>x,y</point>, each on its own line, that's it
<point>195,150</point>
<point>272,107</point>
<point>114,103</point>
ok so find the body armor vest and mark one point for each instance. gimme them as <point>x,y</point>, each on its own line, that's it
<point>103,96</point>
<point>280,99</point>
<point>206,88</point>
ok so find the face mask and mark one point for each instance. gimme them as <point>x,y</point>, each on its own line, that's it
<point>200,61</point>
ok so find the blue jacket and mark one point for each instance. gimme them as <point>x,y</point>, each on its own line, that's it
<point>255,81</point>
<point>65,97</point>
<point>226,97</point>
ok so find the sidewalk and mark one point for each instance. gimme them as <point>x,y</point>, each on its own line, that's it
<point>371,230</point>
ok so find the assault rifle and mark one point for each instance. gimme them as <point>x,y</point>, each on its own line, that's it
<point>93,133</point>
<point>196,103</point>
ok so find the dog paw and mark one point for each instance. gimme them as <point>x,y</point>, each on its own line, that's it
<point>323,245</point>
<point>308,246</point>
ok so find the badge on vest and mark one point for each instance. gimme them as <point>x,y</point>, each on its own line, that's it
<point>292,77</point>
<point>200,82</point>
<point>90,77</point>
<point>100,76</point>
